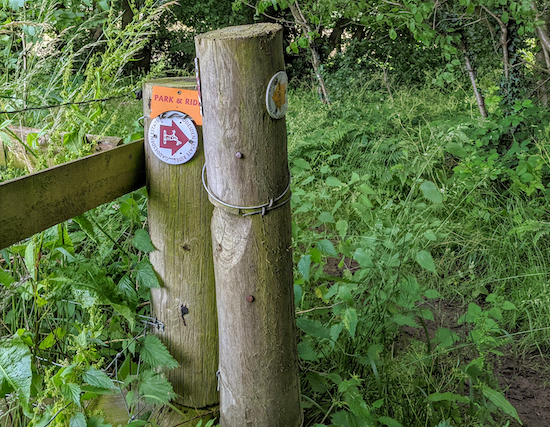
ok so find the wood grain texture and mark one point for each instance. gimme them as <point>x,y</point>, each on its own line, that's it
<point>35,202</point>
<point>259,383</point>
<point>179,224</point>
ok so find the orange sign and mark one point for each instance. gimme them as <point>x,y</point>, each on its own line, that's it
<point>173,99</point>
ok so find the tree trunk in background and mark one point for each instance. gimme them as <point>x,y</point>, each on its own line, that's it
<point>503,42</point>
<point>471,74</point>
<point>306,30</point>
<point>541,30</point>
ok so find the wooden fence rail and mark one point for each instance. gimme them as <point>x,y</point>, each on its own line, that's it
<point>35,202</point>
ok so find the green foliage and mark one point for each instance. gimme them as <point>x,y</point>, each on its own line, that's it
<point>81,290</point>
<point>384,183</point>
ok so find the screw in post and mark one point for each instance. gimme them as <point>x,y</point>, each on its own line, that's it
<point>249,298</point>
<point>238,155</point>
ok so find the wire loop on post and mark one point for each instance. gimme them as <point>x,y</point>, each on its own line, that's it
<point>260,209</point>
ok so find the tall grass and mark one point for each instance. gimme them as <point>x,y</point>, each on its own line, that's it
<point>375,187</point>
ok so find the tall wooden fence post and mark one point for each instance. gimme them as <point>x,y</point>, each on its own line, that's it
<point>247,166</point>
<point>179,223</point>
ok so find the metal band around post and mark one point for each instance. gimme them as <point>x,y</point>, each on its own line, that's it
<point>238,210</point>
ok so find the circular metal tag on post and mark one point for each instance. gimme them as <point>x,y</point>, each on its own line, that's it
<point>173,137</point>
<point>275,97</point>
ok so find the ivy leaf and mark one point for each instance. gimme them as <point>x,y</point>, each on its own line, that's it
<point>97,378</point>
<point>146,276</point>
<point>424,258</point>
<point>312,328</point>
<point>15,368</point>
<point>155,388</point>
<point>78,420</point>
<point>142,241</point>
<point>155,353</point>
<point>71,391</point>
<point>431,192</point>
<point>500,402</point>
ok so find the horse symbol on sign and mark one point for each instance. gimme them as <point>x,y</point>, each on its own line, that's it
<point>174,140</point>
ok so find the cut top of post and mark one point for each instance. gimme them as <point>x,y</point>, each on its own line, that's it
<point>241,32</point>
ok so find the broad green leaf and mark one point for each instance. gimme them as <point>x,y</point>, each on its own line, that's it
<point>431,293</point>
<point>448,397</point>
<point>306,352</point>
<point>430,235</point>
<point>153,384</point>
<point>146,276</point>
<point>97,378</point>
<point>301,163</point>
<point>363,257</point>
<point>127,290</point>
<point>47,342</point>
<point>142,241</point>
<point>312,328</point>
<point>298,293</point>
<point>326,247</point>
<point>390,422</point>
<point>349,319</point>
<point>424,258</point>
<point>6,278</point>
<point>456,149</point>
<point>325,217</point>
<point>128,314</point>
<point>507,305</point>
<point>342,227</point>
<point>78,420</point>
<point>445,337</point>
<point>335,331</point>
<point>404,320</point>
<point>303,266</point>
<point>155,353</point>
<point>86,226</point>
<point>71,391</point>
<point>15,368</point>
<point>393,34</point>
<point>30,259</point>
<point>431,192</point>
<point>500,402</point>
<point>332,181</point>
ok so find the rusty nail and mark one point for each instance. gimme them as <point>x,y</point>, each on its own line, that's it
<point>249,298</point>
<point>239,155</point>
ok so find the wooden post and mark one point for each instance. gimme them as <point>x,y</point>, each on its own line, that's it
<point>247,165</point>
<point>179,223</point>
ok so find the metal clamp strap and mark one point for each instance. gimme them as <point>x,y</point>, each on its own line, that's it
<point>260,209</point>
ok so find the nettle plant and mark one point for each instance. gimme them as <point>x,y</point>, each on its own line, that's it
<point>76,319</point>
<point>364,267</point>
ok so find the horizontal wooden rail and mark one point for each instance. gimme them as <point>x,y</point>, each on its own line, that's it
<point>35,202</point>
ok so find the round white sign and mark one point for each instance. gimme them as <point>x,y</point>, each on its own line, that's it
<point>275,97</point>
<point>173,137</point>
